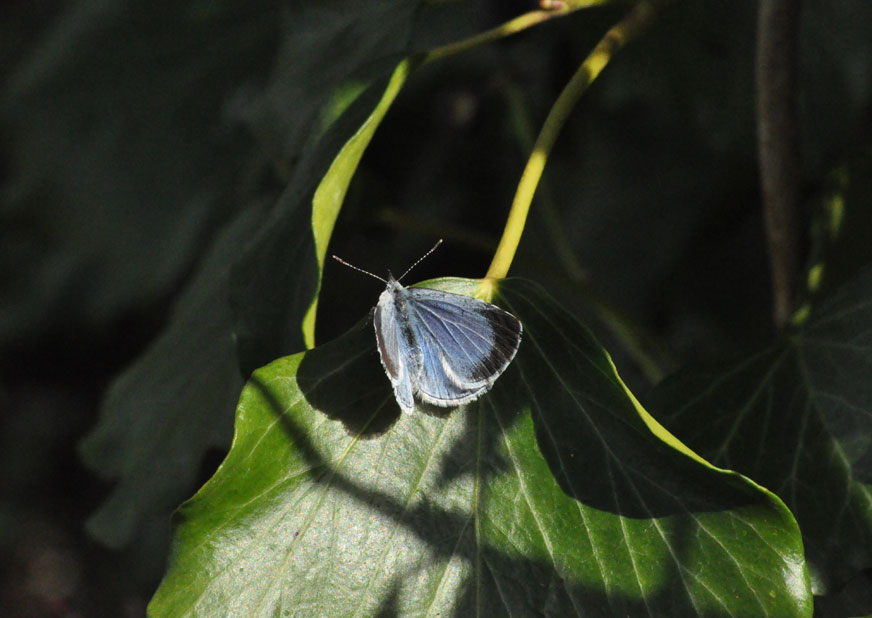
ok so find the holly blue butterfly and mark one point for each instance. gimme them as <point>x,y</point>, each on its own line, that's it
<point>440,348</point>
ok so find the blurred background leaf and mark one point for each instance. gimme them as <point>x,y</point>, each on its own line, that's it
<point>165,411</point>
<point>120,165</point>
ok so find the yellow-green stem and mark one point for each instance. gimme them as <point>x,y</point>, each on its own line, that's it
<point>628,28</point>
<point>513,26</point>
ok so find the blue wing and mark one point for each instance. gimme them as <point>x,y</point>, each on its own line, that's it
<point>463,345</point>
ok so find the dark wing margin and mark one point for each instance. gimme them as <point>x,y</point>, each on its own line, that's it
<point>506,340</point>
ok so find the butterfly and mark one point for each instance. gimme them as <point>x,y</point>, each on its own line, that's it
<point>440,348</point>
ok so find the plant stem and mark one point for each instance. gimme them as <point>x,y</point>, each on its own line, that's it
<point>513,26</point>
<point>635,22</point>
<point>649,354</point>
<point>777,26</point>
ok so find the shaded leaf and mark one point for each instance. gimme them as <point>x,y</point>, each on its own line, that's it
<point>854,599</point>
<point>795,418</point>
<point>174,403</point>
<point>333,51</point>
<point>206,335</point>
<point>548,496</point>
<point>370,49</point>
<point>275,283</point>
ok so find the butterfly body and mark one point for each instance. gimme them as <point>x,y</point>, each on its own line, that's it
<point>441,348</point>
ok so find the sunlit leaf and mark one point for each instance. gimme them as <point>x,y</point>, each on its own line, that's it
<point>549,496</point>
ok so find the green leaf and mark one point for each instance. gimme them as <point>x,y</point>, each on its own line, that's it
<point>370,50</point>
<point>795,418</point>
<point>191,377</point>
<point>548,496</point>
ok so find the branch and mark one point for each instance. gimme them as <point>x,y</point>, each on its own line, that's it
<point>777,26</point>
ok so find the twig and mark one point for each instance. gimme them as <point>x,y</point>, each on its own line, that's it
<point>777,26</point>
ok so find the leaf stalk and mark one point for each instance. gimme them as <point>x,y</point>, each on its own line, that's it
<point>628,28</point>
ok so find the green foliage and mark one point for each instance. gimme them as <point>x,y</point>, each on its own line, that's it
<point>208,162</point>
<point>159,419</point>
<point>113,188</point>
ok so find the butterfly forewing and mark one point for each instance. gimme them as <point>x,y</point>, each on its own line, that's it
<point>464,345</point>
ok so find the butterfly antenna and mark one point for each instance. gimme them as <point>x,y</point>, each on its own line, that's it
<point>365,272</point>
<point>420,259</point>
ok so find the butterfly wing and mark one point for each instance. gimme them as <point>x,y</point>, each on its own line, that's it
<point>464,345</point>
<point>395,349</point>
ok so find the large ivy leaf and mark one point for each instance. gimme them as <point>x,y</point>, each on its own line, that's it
<point>552,495</point>
<point>795,417</point>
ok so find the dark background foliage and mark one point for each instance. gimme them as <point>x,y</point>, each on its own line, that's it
<point>132,139</point>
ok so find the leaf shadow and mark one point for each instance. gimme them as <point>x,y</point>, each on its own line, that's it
<point>389,607</point>
<point>344,380</point>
